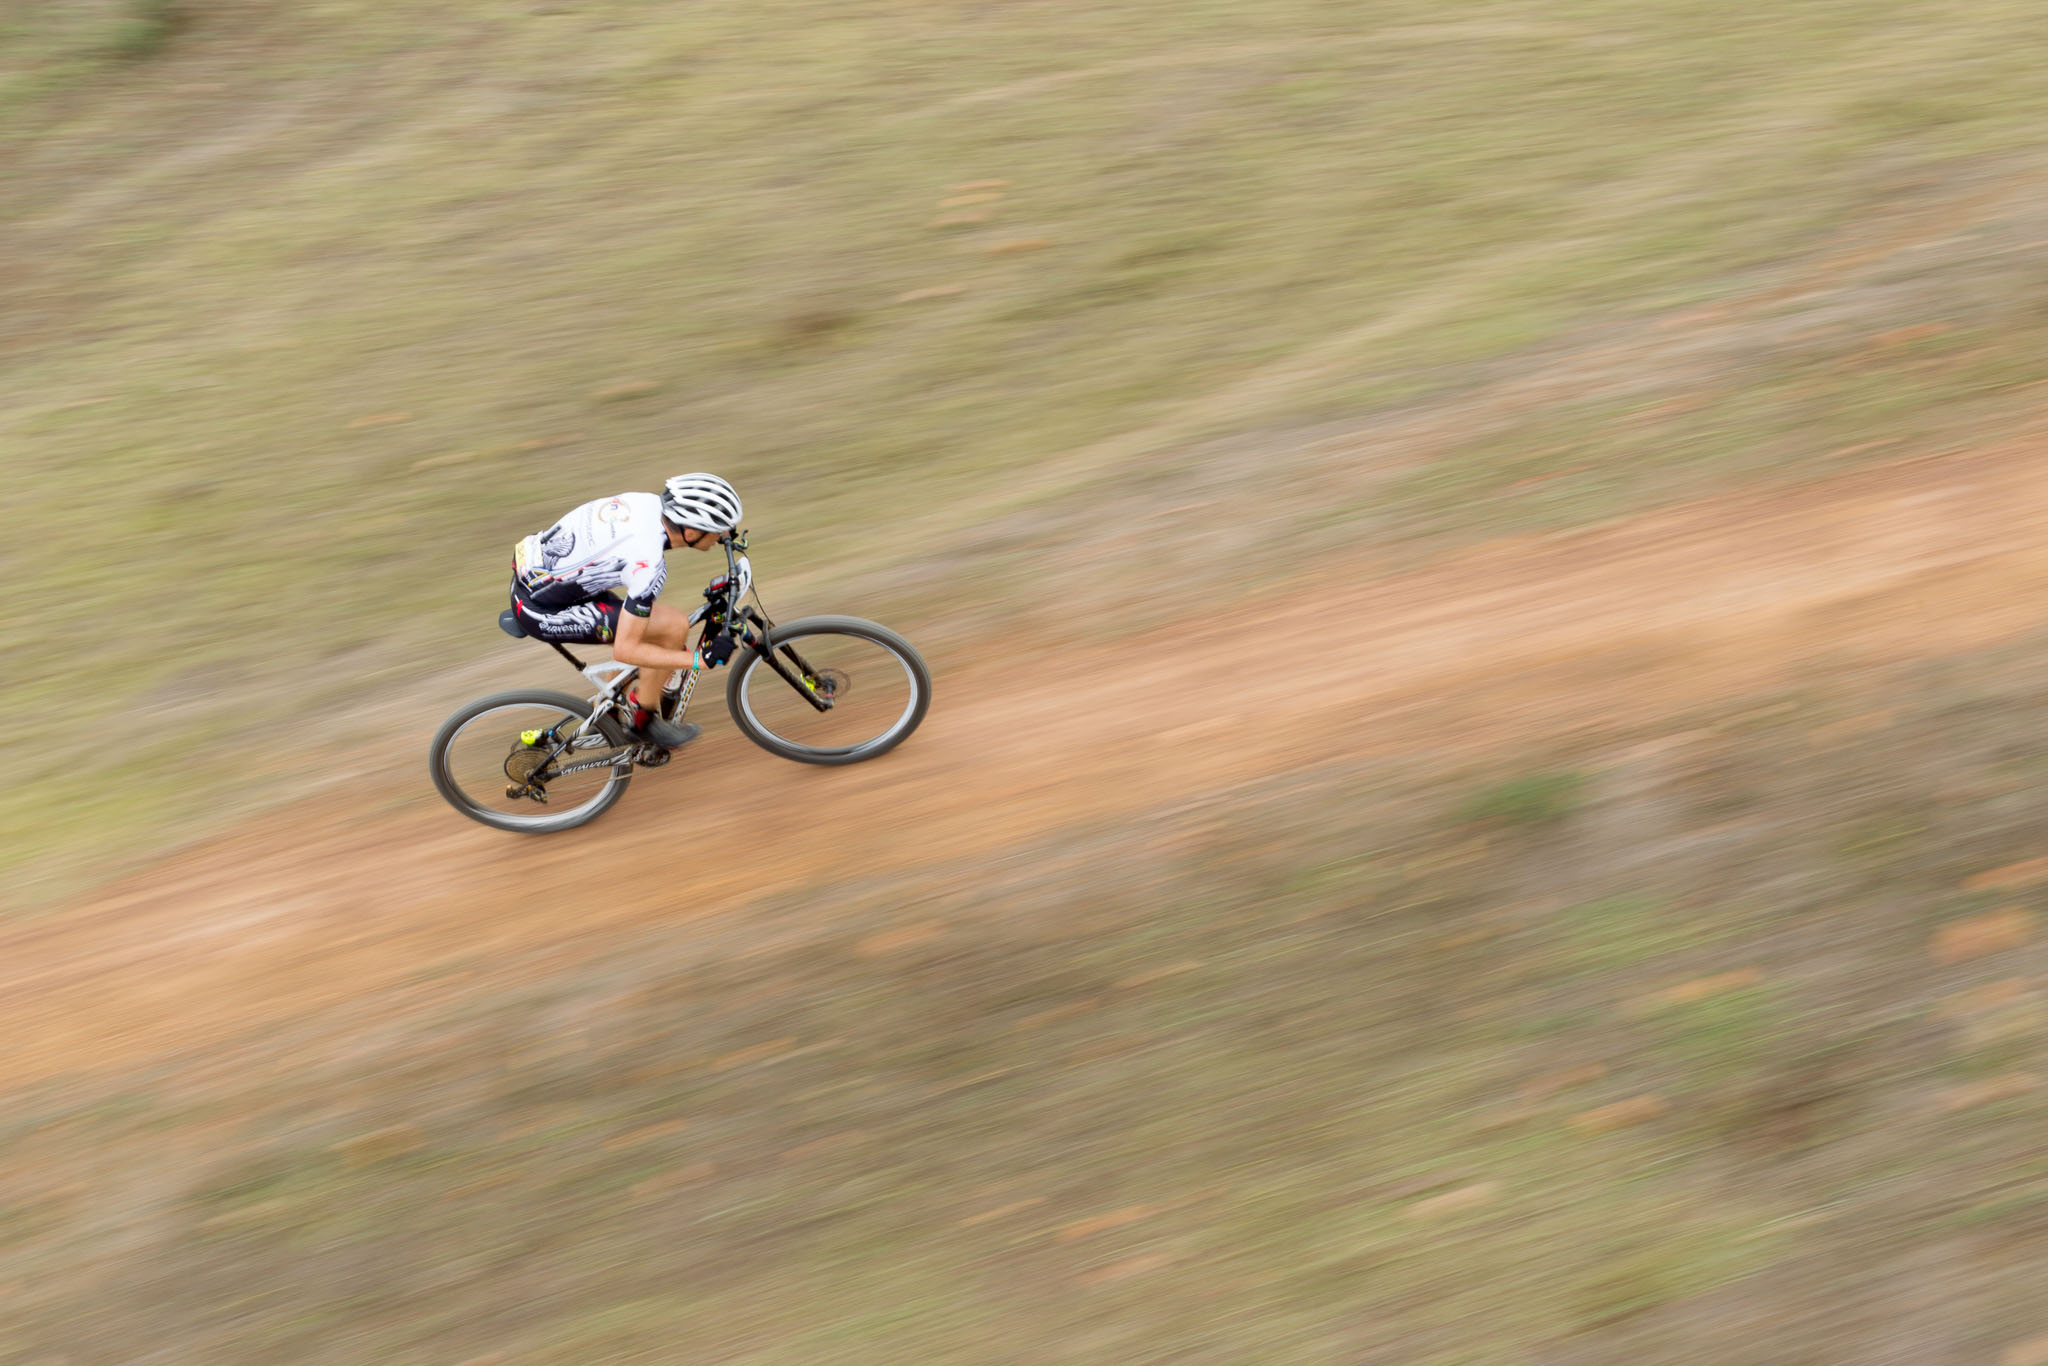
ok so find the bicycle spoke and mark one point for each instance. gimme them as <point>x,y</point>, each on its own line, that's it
<point>872,690</point>
<point>495,768</point>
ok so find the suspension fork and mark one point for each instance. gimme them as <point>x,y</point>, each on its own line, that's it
<point>804,683</point>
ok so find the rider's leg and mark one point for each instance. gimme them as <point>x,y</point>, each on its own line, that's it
<point>669,629</point>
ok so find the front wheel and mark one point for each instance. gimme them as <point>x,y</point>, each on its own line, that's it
<point>875,681</point>
<point>496,761</point>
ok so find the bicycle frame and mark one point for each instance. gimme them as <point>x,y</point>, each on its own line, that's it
<point>719,612</point>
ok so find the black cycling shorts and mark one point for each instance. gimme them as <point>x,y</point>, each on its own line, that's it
<point>586,623</point>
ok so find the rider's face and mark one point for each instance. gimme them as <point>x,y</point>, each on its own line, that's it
<point>695,539</point>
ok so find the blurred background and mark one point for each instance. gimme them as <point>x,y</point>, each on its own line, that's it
<point>1481,566</point>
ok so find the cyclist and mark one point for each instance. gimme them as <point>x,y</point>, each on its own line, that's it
<point>562,582</point>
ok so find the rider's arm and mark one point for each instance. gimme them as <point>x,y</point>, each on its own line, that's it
<point>642,577</point>
<point>631,646</point>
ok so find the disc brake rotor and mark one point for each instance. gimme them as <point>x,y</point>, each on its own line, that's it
<point>832,684</point>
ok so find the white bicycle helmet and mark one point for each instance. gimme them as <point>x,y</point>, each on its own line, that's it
<point>701,502</point>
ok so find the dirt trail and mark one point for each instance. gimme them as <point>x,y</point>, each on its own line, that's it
<point>334,899</point>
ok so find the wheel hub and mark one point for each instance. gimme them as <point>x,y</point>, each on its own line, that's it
<point>523,762</point>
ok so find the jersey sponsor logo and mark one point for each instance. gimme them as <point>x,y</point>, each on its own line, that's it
<point>571,623</point>
<point>612,510</point>
<point>593,577</point>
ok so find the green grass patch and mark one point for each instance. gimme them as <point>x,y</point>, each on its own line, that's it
<point>1535,799</point>
<point>146,28</point>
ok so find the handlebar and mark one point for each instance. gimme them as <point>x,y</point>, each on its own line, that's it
<point>723,595</point>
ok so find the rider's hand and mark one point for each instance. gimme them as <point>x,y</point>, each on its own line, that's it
<point>718,651</point>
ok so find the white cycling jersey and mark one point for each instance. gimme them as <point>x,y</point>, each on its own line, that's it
<point>607,543</point>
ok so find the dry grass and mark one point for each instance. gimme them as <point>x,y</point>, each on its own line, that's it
<point>1317,1074</point>
<point>1720,1041</point>
<point>286,222</point>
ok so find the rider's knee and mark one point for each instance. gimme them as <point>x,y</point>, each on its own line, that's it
<point>673,632</point>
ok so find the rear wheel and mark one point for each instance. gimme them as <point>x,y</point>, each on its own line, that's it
<point>877,684</point>
<point>491,761</point>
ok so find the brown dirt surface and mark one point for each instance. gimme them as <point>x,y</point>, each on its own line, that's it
<point>353,894</point>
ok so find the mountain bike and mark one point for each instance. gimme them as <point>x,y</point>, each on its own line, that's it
<point>819,690</point>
